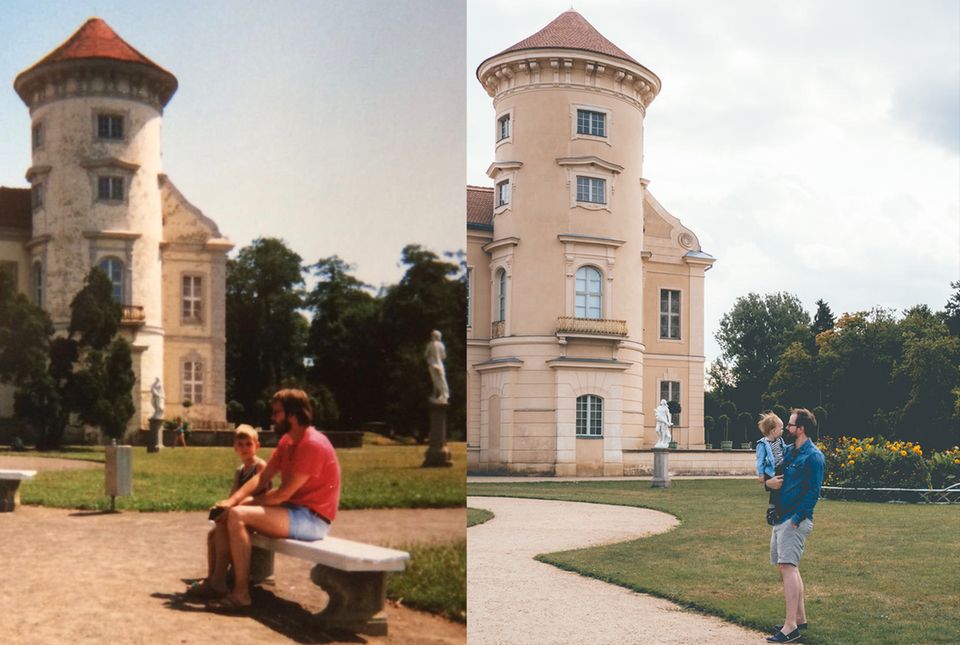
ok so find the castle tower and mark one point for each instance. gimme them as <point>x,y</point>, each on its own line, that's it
<point>96,105</point>
<point>558,382</point>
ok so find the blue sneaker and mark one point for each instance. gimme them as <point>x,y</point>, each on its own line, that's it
<point>780,637</point>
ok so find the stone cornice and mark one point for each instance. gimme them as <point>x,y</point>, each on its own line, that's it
<point>590,161</point>
<point>499,166</point>
<point>496,244</point>
<point>551,68</point>
<point>37,241</point>
<point>590,239</point>
<point>109,162</point>
<point>36,171</point>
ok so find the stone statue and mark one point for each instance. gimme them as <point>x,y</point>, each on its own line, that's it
<point>664,424</point>
<point>435,353</point>
<point>156,392</point>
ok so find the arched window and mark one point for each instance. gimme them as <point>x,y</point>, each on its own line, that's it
<point>38,284</point>
<point>114,270</point>
<point>589,416</point>
<point>589,302</point>
<point>501,295</point>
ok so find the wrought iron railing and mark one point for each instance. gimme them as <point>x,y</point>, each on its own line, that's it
<point>599,326</point>
<point>132,315</point>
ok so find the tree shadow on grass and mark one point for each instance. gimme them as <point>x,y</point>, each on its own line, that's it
<point>283,616</point>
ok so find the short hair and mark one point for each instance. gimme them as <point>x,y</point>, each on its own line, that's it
<point>805,419</point>
<point>768,421</point>
<point>295,403</point>
<point>248,431</point>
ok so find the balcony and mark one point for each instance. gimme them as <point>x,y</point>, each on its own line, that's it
<point>569,325</point>
<point>132,316</point>
<point>497,329</point>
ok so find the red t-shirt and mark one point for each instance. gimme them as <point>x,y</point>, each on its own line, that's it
<point>315,456</point>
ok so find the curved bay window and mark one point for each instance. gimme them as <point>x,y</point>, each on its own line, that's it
<point>589,300</point>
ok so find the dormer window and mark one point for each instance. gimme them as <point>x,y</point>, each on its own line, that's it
<point>109,188</point>
<point>109,126</point>
<point>591,123</point>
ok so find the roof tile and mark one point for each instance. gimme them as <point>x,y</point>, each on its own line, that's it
<point>570,30</point>
<point>479,206</point>
<point>15,208</point>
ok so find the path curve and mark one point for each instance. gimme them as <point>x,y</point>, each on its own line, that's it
<point>514,599</point>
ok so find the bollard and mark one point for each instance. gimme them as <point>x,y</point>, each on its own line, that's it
<point>118,473</point>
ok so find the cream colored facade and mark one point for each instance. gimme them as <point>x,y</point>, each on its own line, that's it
<point>569,256</point>
<point>167,259</point>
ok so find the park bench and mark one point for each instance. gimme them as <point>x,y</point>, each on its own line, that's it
<point>353,575</point>
<point>10,487</point>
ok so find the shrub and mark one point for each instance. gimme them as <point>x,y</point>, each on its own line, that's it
<point>874,463</point>
<point>944,468</point>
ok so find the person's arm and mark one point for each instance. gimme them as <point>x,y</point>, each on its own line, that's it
<point>236,481</point>
<point>814,475</point>
<point>245,491</point>
<point>761,458</point>
<point>277,496</point>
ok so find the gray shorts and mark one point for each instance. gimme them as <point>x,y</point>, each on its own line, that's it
<point>787,540</point>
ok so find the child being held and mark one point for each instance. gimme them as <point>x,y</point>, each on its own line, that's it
<point>770,451</point>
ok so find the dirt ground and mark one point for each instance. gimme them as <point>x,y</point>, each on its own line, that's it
<point>563,607</point>
<point>92,577</point>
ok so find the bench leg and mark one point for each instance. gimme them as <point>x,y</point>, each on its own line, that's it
<point>356,599</point>
<point>261,566</point>
<point>9,494</point>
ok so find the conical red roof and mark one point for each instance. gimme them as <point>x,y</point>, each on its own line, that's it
<point>570,30</point>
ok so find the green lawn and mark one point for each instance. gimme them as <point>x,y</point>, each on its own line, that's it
<point>477,516</point>
<point>874,573</point>
<point>435,580</point>
<point>194,478</point>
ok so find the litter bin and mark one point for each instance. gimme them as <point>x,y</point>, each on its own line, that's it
<point>118,473</point>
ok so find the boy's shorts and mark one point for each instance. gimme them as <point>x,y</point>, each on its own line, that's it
<point>787,540</point>
<point>305,524</point>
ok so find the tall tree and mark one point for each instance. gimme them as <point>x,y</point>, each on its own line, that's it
<point>753,335</point>
<point>796,381</point>
<point>266,333</point>
<point>952,310</point>
<point>823,319</point>
<point>431,295</point>
<point>346,342</point>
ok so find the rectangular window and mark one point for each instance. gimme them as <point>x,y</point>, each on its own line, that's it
<point>193,382</point>
<point>589,416</point>
<point>669,314</point>
<point>503,129</point>
<point>109,126</point>
<point>469,297</point>
<point>592,190</point>
<point>670,391</point>
<point>591,123</point>
<point>110,188</point>
<point>191,298</point>
<point>36,196</point>
<point>503,193</point>
<point>36,136</point>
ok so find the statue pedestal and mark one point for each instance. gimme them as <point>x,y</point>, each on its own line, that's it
<point>661,471</point>
<point>438,454</point>
<point>155,438</point>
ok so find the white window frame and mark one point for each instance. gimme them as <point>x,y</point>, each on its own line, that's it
<point>109,259</point>
<point>191,300</point>
<point>501,301</point>
<point>502,193</point>
<point>674,320</point>
<point>112,118</point>
<point>469,297</point>
<point>671,393</point>
<point>36,136</point>
<point>36,196</point>
<point>589,416</point>
<point>575,110</point>
<point>36,276</point>
<point>591,183</point>
<point>111,183</point>
<point>585,312</point>
<point>191,380</point>
<point>591,123</point>
<point>506,114</point>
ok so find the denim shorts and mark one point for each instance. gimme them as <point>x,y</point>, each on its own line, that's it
<point>305,524</point>
<point>787,541</point>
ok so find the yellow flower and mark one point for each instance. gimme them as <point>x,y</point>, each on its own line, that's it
<point>956,461</point>
<point>850,462</point>
<point>903,453</point>
<point>918,450</point>
<point>859,449</point>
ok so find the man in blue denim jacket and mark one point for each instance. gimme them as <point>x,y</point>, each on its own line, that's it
<point>799,491</point>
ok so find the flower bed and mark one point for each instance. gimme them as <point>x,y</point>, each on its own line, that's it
<point>876,463</point>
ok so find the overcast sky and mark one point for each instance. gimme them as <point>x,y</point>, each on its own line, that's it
<point>811,145</point>
<point>337,126</point>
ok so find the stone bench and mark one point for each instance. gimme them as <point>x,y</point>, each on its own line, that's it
<point>353,574</point>
<point>10,487</point>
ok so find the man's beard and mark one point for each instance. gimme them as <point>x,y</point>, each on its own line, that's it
<point>283,428</point>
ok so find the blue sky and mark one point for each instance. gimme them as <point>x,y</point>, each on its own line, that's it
<point>337,126</point>
<point>813,146</point>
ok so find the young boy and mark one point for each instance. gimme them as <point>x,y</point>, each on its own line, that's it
<point>770,451</point>
<point>245,443</point>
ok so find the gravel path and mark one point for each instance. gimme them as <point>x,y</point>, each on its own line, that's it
<point>517,600</point>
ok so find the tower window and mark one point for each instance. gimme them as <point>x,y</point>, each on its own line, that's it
<point>589,416</point>
<point>109,126</point>
<point>469,297</point>
<point>503,193</point>
<point>38,284</point>
<point>503,127</point>
<point>36,136</point>
<point>501,295</point>
<point>36,196</point>
<point>592,190</point>
<point>193,381</point>
<point>670,314</point>
<point>110,188</point>
<point>191,299</point>
<point>670,391</point>
<point>591,123</point>
<point>114,270</point>
<point>588,296</point>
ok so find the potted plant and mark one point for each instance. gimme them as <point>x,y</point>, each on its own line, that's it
<point>674,407</point>
<point>744,420</point>
<point>708,425</point>
<point>726,444</point>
